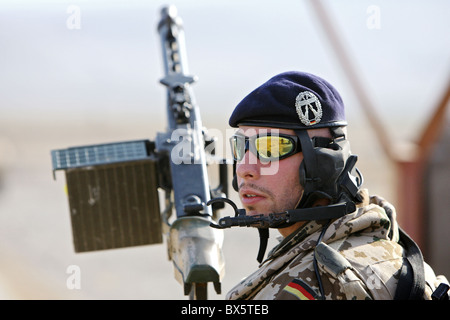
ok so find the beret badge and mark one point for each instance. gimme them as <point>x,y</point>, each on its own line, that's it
<point>308,108</point>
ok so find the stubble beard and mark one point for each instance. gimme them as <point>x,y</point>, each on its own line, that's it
<point>278,205</point>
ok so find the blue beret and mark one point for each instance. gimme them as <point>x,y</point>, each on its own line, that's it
<point>291,100</point>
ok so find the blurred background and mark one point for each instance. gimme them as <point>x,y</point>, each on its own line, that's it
<point>82,72</point>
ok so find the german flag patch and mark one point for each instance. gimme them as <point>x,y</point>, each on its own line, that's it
<point>301,290</point>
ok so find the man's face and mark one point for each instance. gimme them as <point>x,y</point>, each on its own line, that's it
<point>268,187</point>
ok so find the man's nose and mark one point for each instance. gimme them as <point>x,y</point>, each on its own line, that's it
<point>248,167</point>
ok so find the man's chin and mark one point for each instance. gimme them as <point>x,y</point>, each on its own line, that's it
<point>251,211</point>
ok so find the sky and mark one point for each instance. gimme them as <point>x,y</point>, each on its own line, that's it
<point>108,62</point>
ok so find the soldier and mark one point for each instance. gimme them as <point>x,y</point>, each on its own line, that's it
<point>291,152</point>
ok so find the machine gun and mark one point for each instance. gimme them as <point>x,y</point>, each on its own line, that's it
<point>113,188</point>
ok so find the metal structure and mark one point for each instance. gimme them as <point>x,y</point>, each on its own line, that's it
<point>410,168</point>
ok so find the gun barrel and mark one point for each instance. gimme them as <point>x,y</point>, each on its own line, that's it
<point>171,31</point>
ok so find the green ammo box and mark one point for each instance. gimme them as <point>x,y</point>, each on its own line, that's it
<point>113,197</point>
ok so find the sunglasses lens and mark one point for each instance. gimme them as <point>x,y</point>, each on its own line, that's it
<point>273,147</point>
<point>268,148</point>
<point>237,147</point>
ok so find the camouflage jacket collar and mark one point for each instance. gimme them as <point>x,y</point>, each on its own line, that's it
<point>374,217</point>
<point>307,235</point>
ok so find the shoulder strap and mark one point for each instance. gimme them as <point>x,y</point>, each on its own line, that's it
<point>411,284</point>
<point>334,264</point>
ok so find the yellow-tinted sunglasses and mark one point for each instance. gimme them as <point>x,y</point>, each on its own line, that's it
<point>266,147</point>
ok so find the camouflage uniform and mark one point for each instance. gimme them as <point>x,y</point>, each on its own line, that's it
<point>358,258</point>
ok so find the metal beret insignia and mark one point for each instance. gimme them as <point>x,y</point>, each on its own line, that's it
<point>308,108</point>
